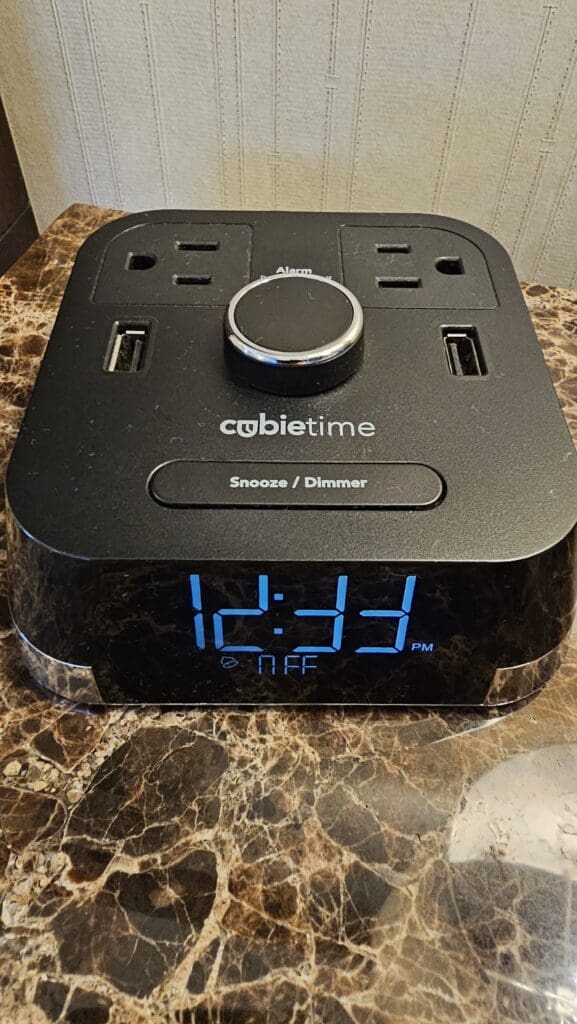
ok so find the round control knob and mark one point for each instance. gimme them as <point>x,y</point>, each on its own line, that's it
<point>293,334</point>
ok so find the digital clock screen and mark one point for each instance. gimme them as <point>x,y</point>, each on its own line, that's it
<point>274,627</point>
<point>291,633</point>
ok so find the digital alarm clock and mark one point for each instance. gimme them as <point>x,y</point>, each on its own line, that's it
<point>292,458</point>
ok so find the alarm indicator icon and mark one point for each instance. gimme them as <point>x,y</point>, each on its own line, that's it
<point>227,661</point>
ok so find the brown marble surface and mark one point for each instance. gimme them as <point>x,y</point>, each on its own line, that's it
<point>276,866</point>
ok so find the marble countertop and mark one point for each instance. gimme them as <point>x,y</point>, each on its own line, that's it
<point>280,867</point>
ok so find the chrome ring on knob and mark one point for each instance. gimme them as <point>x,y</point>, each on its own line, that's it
<point>306,357</point>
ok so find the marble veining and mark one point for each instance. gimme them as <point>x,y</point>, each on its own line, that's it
<point>280,867</point>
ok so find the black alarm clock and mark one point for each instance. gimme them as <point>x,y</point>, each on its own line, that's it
<point>292,458</point>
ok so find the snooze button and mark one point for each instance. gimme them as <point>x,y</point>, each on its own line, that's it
<point>187,484</point>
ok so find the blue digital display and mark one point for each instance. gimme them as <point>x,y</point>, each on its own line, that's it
<point>312,633</point>
<point>338,623</point>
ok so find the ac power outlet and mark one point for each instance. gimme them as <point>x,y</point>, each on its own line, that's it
<point>415,268</point>
<point>175,264</point>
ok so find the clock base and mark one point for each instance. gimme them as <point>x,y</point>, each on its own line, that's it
<point>242,483</point>
<point>77,683</point>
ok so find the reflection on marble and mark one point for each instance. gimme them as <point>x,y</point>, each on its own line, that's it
<point>280,867</point>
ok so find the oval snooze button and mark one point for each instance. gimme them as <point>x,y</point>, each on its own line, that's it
<point>186,484</point>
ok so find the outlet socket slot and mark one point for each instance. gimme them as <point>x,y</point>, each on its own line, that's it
<point>197,246</point>
<point>449,265</point>
<point>383,247</point>
<point>463,351</point>
<point>140,261</point>
<point>188,279</point>
<point>398,282</point>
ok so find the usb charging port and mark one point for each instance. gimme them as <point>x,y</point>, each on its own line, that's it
<point>127,348</point>
<point>463,351</point>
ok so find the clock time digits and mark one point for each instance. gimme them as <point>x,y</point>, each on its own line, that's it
<point>336,616</point>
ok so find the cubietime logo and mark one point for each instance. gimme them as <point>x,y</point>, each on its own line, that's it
<point>265,426</point>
